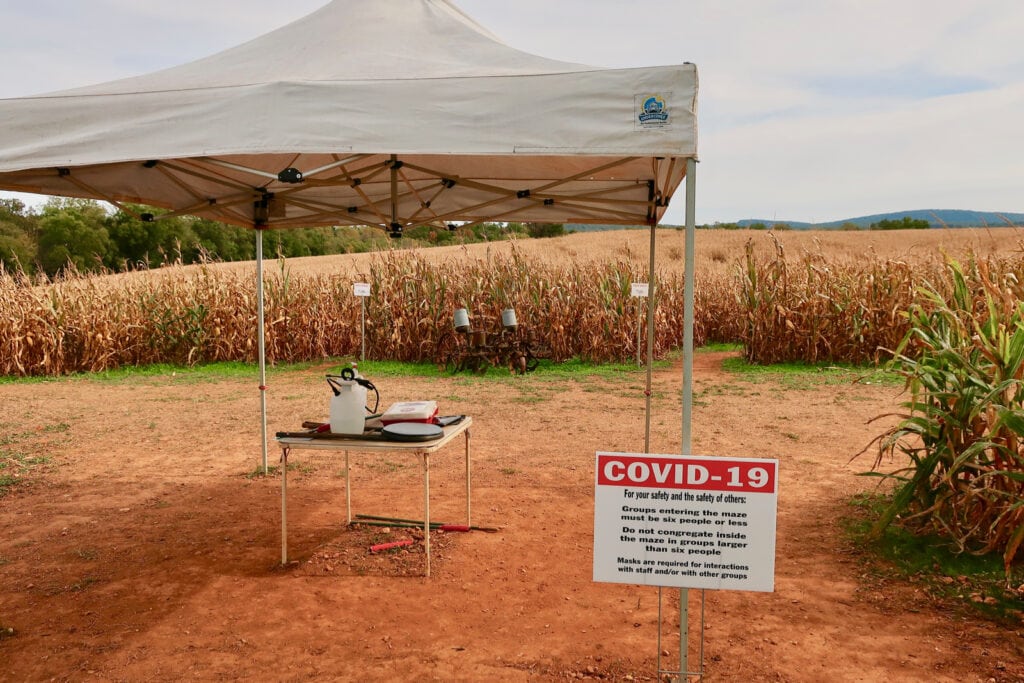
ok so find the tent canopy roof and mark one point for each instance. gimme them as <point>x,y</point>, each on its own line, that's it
<point>394,113</point>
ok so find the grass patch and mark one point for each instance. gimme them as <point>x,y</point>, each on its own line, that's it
<point>82,584</point>
<point>17,466</point>
<point>974,583</point>
<point>384,466</point>
<point>272,470</point>
<point>529,399</point>
<point>718,347</point>
<point>212,372</point>
<point>7,482</point>
<point>730,389</point>
<point>17,437</point>
<point>199,373</point>
<point>577,369</point>
<point>206,372</point>
<point>808,375</point>
<point>388,368</point>
<point>547,370</point>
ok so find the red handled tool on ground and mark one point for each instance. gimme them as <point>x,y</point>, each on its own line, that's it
<point>388,546</point>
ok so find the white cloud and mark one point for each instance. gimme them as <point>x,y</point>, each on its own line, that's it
<point>808,110</point>
<point>961,151</point>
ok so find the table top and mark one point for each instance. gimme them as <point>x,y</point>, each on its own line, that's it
<point>450,432</point>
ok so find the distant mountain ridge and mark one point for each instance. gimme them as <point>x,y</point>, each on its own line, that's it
<point>938,218</point>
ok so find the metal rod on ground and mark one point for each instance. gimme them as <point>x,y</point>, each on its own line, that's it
<point>434,526</point>
<point>381,522</point>
<point>361,519</point>
<point>389,519</point>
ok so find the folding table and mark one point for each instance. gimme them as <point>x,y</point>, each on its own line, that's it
<point>422,449</point>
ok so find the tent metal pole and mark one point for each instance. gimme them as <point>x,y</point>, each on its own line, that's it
<point>260,325</point>
<point>687,446</point>
<point>651,287</point>
<point>651,293</point>
<point>394,193</point>
<point>688,286</point>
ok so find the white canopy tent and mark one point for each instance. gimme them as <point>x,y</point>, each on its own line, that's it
<point>393,113</point>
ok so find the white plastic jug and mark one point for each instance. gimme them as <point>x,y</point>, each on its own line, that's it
<point>348,405</point>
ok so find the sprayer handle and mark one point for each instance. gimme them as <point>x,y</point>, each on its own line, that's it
<point>332,382</point>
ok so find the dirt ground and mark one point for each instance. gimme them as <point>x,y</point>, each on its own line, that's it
<point>143,548</point>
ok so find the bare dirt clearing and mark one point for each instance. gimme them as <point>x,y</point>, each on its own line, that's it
<point>145,550</point>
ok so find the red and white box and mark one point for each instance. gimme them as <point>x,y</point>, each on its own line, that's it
<point>410,411</point>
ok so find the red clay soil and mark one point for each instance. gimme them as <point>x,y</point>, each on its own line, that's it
<point>142,548</point>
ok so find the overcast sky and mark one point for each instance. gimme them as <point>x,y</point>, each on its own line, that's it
<point>810,111</point>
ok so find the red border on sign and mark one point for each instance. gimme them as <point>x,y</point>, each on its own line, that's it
<point>700,474</point>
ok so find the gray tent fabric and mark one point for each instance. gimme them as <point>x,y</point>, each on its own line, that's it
<point>394,113</point>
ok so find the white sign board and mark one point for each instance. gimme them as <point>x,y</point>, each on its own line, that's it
<point>361,289</point>
<point>638,289</point>
<point>685,521</point>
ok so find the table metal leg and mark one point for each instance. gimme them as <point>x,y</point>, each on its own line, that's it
<point>284,505</point>
<point>426,508</point>
<point>348,491</point>
<point>469,520</point>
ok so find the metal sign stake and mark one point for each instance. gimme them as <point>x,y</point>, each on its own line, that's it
<point>362,290</point>
<point>639,290</point>
<point>687,447</point>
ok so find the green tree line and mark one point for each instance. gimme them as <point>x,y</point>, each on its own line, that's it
<point>85,235</point>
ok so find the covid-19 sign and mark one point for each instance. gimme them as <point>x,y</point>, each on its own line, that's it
<point>685,521</point>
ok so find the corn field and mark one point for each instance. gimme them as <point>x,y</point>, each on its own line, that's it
<point>813,309</point>
<point>200,314</point>
<point>963,359</point>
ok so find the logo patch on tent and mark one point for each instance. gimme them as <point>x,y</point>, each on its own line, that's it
<point>651,111</point>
